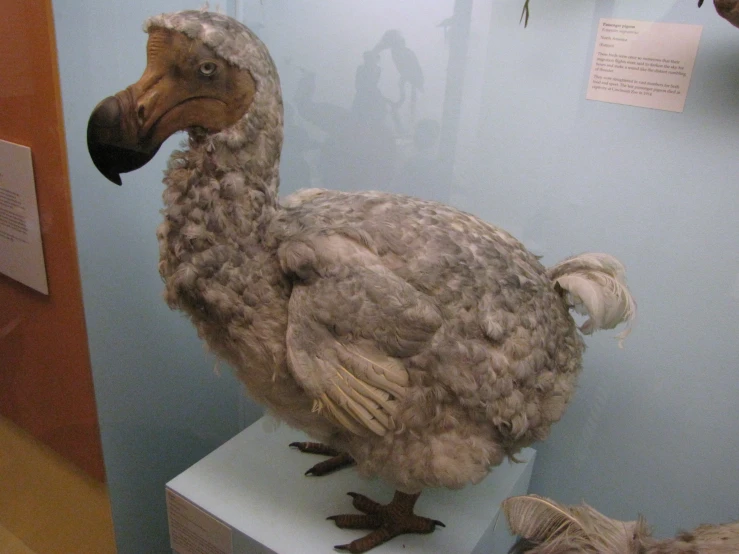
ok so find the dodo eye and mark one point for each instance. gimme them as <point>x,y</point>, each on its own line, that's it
<point>207,68</point>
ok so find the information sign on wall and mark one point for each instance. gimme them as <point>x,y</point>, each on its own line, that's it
<point>643,64</point>
<point>21,250</point>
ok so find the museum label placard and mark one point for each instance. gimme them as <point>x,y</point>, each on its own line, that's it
<point>644,64</point>
<point>21,250</point>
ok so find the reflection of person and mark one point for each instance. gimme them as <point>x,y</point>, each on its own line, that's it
<point>368,99</point>
<point>324,115</point>
<point>422,174</point>
<point>406,62</point>
<point>358,151</point>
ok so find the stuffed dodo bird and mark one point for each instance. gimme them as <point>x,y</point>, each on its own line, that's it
<point>412,339</point>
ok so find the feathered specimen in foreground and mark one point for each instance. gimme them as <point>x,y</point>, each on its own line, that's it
<point>546,527</point>
<point>416,340</point>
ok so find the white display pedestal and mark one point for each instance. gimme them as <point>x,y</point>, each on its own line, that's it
<point>254,498</point>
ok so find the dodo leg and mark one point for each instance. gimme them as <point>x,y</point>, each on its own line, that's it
<point>388,521</point>
<point>338,460</point>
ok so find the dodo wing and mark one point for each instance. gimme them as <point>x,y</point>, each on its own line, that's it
<point>351,327</point>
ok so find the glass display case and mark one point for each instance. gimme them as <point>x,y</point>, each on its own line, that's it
<point>453,101</point>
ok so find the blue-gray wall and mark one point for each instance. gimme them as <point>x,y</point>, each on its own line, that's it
<point>502,129</point>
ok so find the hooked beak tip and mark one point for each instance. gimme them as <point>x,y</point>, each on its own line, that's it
<point>115,179</point>
<point>112,150</point>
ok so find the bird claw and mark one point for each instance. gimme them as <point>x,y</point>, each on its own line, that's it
<point>315,448</point>
<point>364,504</point>
<point>334,463</point>
<point>338,460</point>
<point>385,520</point>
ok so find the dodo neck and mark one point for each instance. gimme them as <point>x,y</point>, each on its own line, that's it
<point>221,195</point>
<point>238,166</point>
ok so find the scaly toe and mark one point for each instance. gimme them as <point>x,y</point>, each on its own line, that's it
<point>315,448</point>
<point>364,504</point>
<point>368,542</point>
<point>332,464</point>
<point>356,521</point>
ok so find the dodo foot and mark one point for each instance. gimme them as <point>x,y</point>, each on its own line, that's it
<point>338,460</point>
<point>386,521</point>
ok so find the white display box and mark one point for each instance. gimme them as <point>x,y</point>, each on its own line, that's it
<point>250,496</point>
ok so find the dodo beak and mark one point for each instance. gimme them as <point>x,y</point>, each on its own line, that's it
<point>125,131</point>
<point>113,142</point>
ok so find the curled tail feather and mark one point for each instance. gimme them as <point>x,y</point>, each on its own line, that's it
<point>595,285</point>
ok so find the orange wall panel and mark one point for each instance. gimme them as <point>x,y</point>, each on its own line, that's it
<point>45,375</point>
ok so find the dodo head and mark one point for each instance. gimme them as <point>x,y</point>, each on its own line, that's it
<point>203,70</point>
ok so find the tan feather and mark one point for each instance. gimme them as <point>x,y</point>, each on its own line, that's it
<point>546,527</point>
<point>558,529</point>
<point>538,519</point>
